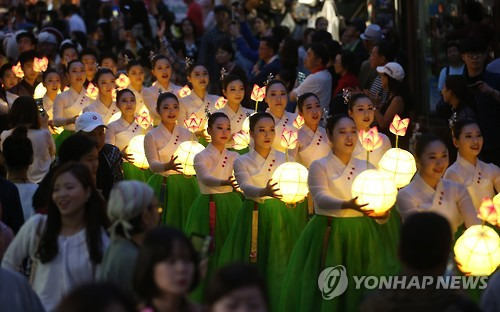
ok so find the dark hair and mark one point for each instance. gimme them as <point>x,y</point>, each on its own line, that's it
<point>97,297</point>
<point>303,97</point>
<point>263,17</point>
<point>195,31</point>
<point>126,53</point>
<point>156,58</point>
<point>29,35</point>
<point>17,149</point>
<point>95,216</point>
<point>5,67</point>
<point>423,141</point>
<point>48,72</point>
<point>24,112</point>
<point>458,85</point>
<point>226,45</point>
<point>133,63</point>
<point>233,277</point>
<point>221,8</point>
<point>75,147</point>
<point>474,11</point>
<point>88,51</point>
<point>332,121</point>
<point>73,62</point>
<point>319,19</point>
<point>27,56</point>
<point>279,32</point>
<point>386,49</point>
<point>190,68</point>
<point>425,249</point>
<point>271,43</point>
<point>355,97</point>
<point>333,48</point>
<point>230,78</point>
<point>452,44</point>
<point>100,72</point>
<point>306,32</point>
<point>65,46</point>
<point>320,51</point>
<point>272,83</point>
<point>348,60</point>
<point>213,117</point>
<point>473,44</point>
<point>321,36</point>
<point>158,246</point>
<point>461,124</point>
<point>108,55</point>
<point>255,118</point>
<point>162,97</point>
<point>120,93</point>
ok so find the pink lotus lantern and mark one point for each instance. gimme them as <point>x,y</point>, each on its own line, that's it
<point>17,70</point>
<point>399,127</point>
<point>258,94</point>
<point>40,64</point>
<point>241,140</point>
<point>193,123</point>
<point>122,81</point>
<point>220,103</point>
<point>92,91</point>
<point>488,212</point>
<point>184,91</point>
<point>370,140</point>
<point>298,122</point>
<point>289,139</point>
<point>144,119</point>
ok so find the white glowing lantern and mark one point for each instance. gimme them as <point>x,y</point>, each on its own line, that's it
<point>291,179</point>
<point>136,149</point>
<point>376,189</point>
<point>40,91</point>
<point>185,156</point>
<point>477,251</point>
<point>399,165</point>
<point>115,117</point>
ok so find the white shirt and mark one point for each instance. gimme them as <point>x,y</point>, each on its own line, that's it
<point>69,104</point>
<point>376,155</point>
<point>212,166</point>
<point>193,104</point>
<point>252,172</point>
<point>319,83</point>
<point>71,266</point>
<point>480,180</point>
<point>160,145</point>
<point>449,199</point>
<point>48,105</point>
<point>311,145</point>
<point>5,106</point>
<point>105,112</point>
<point>120,132</point>
<point>286,121</point>
<point>330,183</point>
<point>76,23</point>
<point>151,97</point>
<point>44,150</point>
<point>26,191</point>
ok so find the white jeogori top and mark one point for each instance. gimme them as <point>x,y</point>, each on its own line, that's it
<point>286,121</point>
<point>212,166</point>
<point>236,118</point>
<point>311,145</point>
<point>120,132</point>
<point>48,105</point>
<point>151,94</point>
<point>106,112</point>
<point>69,104</point>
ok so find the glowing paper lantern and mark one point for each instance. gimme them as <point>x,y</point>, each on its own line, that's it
<point>220,103</point>
<point>40,91</point>
<point>92,91</point>
<point>399,126</point>
<point>122,81</point>
<point>399,165</point>
<point>193,123</point>
<point>477,251</point>
<point>291,179</point>
<point>185,156</point>
<point>371,139</point>
<point>376,189</point>
<point>136,149</point>
<point>40,64</point>
<point>258,94</point>
<point>488,211</point>
<point>144,119</point>
<point>289,138</point>
<point>115,117</point>
<point>241,140</point>
<point>18,70</point>
<point>298,122</point>
<point>184,91</point>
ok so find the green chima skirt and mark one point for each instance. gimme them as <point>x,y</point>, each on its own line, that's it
<point>62,137</point>
<point>212,215</point>
<point>329,242</point>
<point>131,172</point>
<point>176,193</point>
<point>389,234</point>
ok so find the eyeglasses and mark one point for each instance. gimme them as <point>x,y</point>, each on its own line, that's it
<point>476,54</point>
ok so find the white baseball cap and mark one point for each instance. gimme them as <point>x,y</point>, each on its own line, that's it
<point>373,32</point>
<point>88,121</point>
<point>393,70</point>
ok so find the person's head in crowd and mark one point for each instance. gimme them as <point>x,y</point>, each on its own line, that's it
<point>262,130</point>
<point>233,89</point>
<point>321,23</point>
<point>432,159</point>
<point>310,109</point>
<point>219,129</point>
<point>321,36</point>
<point>345,62</point>
<point>307,36</point>
<point>126,103</point>
<point>104,80</point>
<point>75,72</point>
<point>24,112</point>
<point>352,31</point>
<point>197,76</point>
<point>135,72</point>
<point>288,76</point>
<point>392,76</point>
<point>92,125</point>
<point>74,199</point>
<point>97,297</point>
<point>26,41</point>
<point>109,60</point>
<point>168,107</point>
<point>161,69</point>
<point>361,110</point>
<point>468,139</point>
<point>342,133</point>
<point>188,28</point>
<point>222,17</point>
<point>276,97</point>
<point>27,60</point>
<point>474,53</point>
<point>333,47</point>
<point>455,90</point>
<point>82,149</point>
<point>7,77</point>
<point>20,13</point>
<point>68,52</point>
<point>132,210</point>
<point>225,52</point>
<point>268,47</point>
<point>89,59</point>
<point>473,12</point>
<point>237,287</point>
<point>167,265</point>
<point>47,44</point>
<point>425,252</point>
<point>279,33</point>
<point>17,151</point>
<point>371,35</point>
<point>52,82</point>
<point>453,53</point>
<point>261,24</point>
<point>124,57</point>
<point>382,53</point>
<point>317,57</point>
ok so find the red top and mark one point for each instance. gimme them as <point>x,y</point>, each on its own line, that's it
<point>195,14</point>
<point>349,80</point>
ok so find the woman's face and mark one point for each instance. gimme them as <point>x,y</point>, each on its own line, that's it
<point>447,94</point>
<point>263,133</point>
<point>385,82</point>
<point>126,104</point>
<point>9,79</point>
<point>169,110</point>
<point>338,64</point>
<point>470,141</point>
<point>220,131</point>
<point>187,28</point>
<point>91,161</point>
<point>76,74</point>
<point>311,111</point>
<point>175,275</point>
<point>434,160</point>
<point>106,84</point>
<point>69,195</point>
<point>344,136</point>
<point>276,97</point>
<point>222,56</point>
<point>69,55</point>
<point>199,77</point>
<point>136,75</point>
<point>52,82</point>
<point>235,92</point>
<point>90,63</point>
<point>243,299</point>
<point>363,113</point>
<point>162,71</point>
<point>259,25</point>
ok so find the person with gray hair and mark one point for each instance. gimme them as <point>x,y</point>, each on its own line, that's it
<point>133,211</point>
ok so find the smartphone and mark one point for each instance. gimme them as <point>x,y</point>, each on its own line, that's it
<point>41,110</point>
<point>201,244</point>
